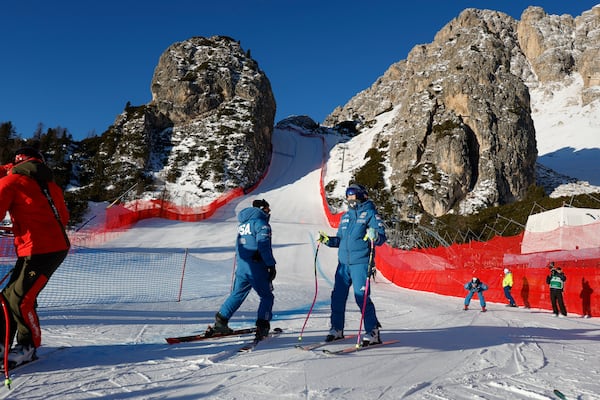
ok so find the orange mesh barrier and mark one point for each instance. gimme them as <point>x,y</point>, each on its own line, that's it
<point>120,216</point>
<point>445,270</point>
<point>431,271</point>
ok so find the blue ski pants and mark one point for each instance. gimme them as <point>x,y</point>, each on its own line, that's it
<point>479,294</point>
<point>246,278</point>
<point>508,295</point>
<point>355,276</point>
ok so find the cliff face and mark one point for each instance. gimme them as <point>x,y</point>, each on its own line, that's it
<point>558,46</point>
<point>462,125</point>
<point>208,127</point>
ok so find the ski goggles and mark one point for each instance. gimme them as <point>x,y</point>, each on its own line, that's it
<point>352,191</point>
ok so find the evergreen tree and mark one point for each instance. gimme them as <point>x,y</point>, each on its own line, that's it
<point>8,139</point>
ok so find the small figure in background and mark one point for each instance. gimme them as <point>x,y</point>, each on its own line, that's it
<point>556,281</point>
<point>475,286</point>
<point>507,284</point>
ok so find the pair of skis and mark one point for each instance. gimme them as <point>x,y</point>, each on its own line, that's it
<point>211,334</point>
<point>344,350</point>
<point>354,348</point>
<point>318,345</point>
<point>248,347</point>
<point>357,346</point>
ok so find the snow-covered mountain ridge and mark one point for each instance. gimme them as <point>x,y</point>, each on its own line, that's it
<point>461,122</point>
<point>482,148</point>
<point>567,133</point>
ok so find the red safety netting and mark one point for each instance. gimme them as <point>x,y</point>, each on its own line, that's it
<point>445,270</point>
<point>125,215</point>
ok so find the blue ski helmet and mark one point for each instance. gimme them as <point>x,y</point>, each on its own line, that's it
<point>359,190</point>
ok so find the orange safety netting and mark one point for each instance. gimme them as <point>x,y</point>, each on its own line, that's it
<point>445,270</point>
<point>120,216</point>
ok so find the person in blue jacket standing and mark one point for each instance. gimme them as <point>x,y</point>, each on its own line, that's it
<point>255,269</point>
<point>360,230</point>
<point>472,287</point>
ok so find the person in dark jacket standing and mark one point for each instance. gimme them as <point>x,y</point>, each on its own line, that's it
<point>255,269</point>
<point>39,215</point>
<point>360,230</point>
<point>472,287</point>
<point>556,281</point>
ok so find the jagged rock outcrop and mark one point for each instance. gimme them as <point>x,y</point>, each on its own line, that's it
<point>556,46</point>
<point>208,126</point>
<point>303,122</point>
<point>461,132</point>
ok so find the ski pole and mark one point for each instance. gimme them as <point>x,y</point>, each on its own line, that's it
<point>233,273</point>
<point>7,380</point>
<point>366,294</point>
<point>316,291</point>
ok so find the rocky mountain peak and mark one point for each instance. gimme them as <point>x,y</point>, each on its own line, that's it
<point>201,75</point>
<point>461,136</point>
<point>207,129</point>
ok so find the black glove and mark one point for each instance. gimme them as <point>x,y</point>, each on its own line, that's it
<point>272,273</point>
<point>372,272</point>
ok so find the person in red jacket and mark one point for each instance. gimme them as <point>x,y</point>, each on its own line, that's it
<point>39,215</point>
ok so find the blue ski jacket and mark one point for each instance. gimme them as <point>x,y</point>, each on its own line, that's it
<point>350,237</point>
<point>475,286</point>
<point>254,239</point>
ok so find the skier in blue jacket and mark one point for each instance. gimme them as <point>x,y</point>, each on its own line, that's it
<point>472,287</point>
<point>255,269</point>
<point>360,230</point>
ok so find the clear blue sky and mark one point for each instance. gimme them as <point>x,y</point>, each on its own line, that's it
<point>75,64</point>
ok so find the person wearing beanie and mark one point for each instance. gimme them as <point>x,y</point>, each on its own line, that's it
<point>556,282</point>
<point>255,270</point>
<point>360,231</point>
<point>507,284</point>
<point>39,216</point>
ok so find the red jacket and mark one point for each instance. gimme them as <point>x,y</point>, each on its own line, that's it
<point>35,227</point>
